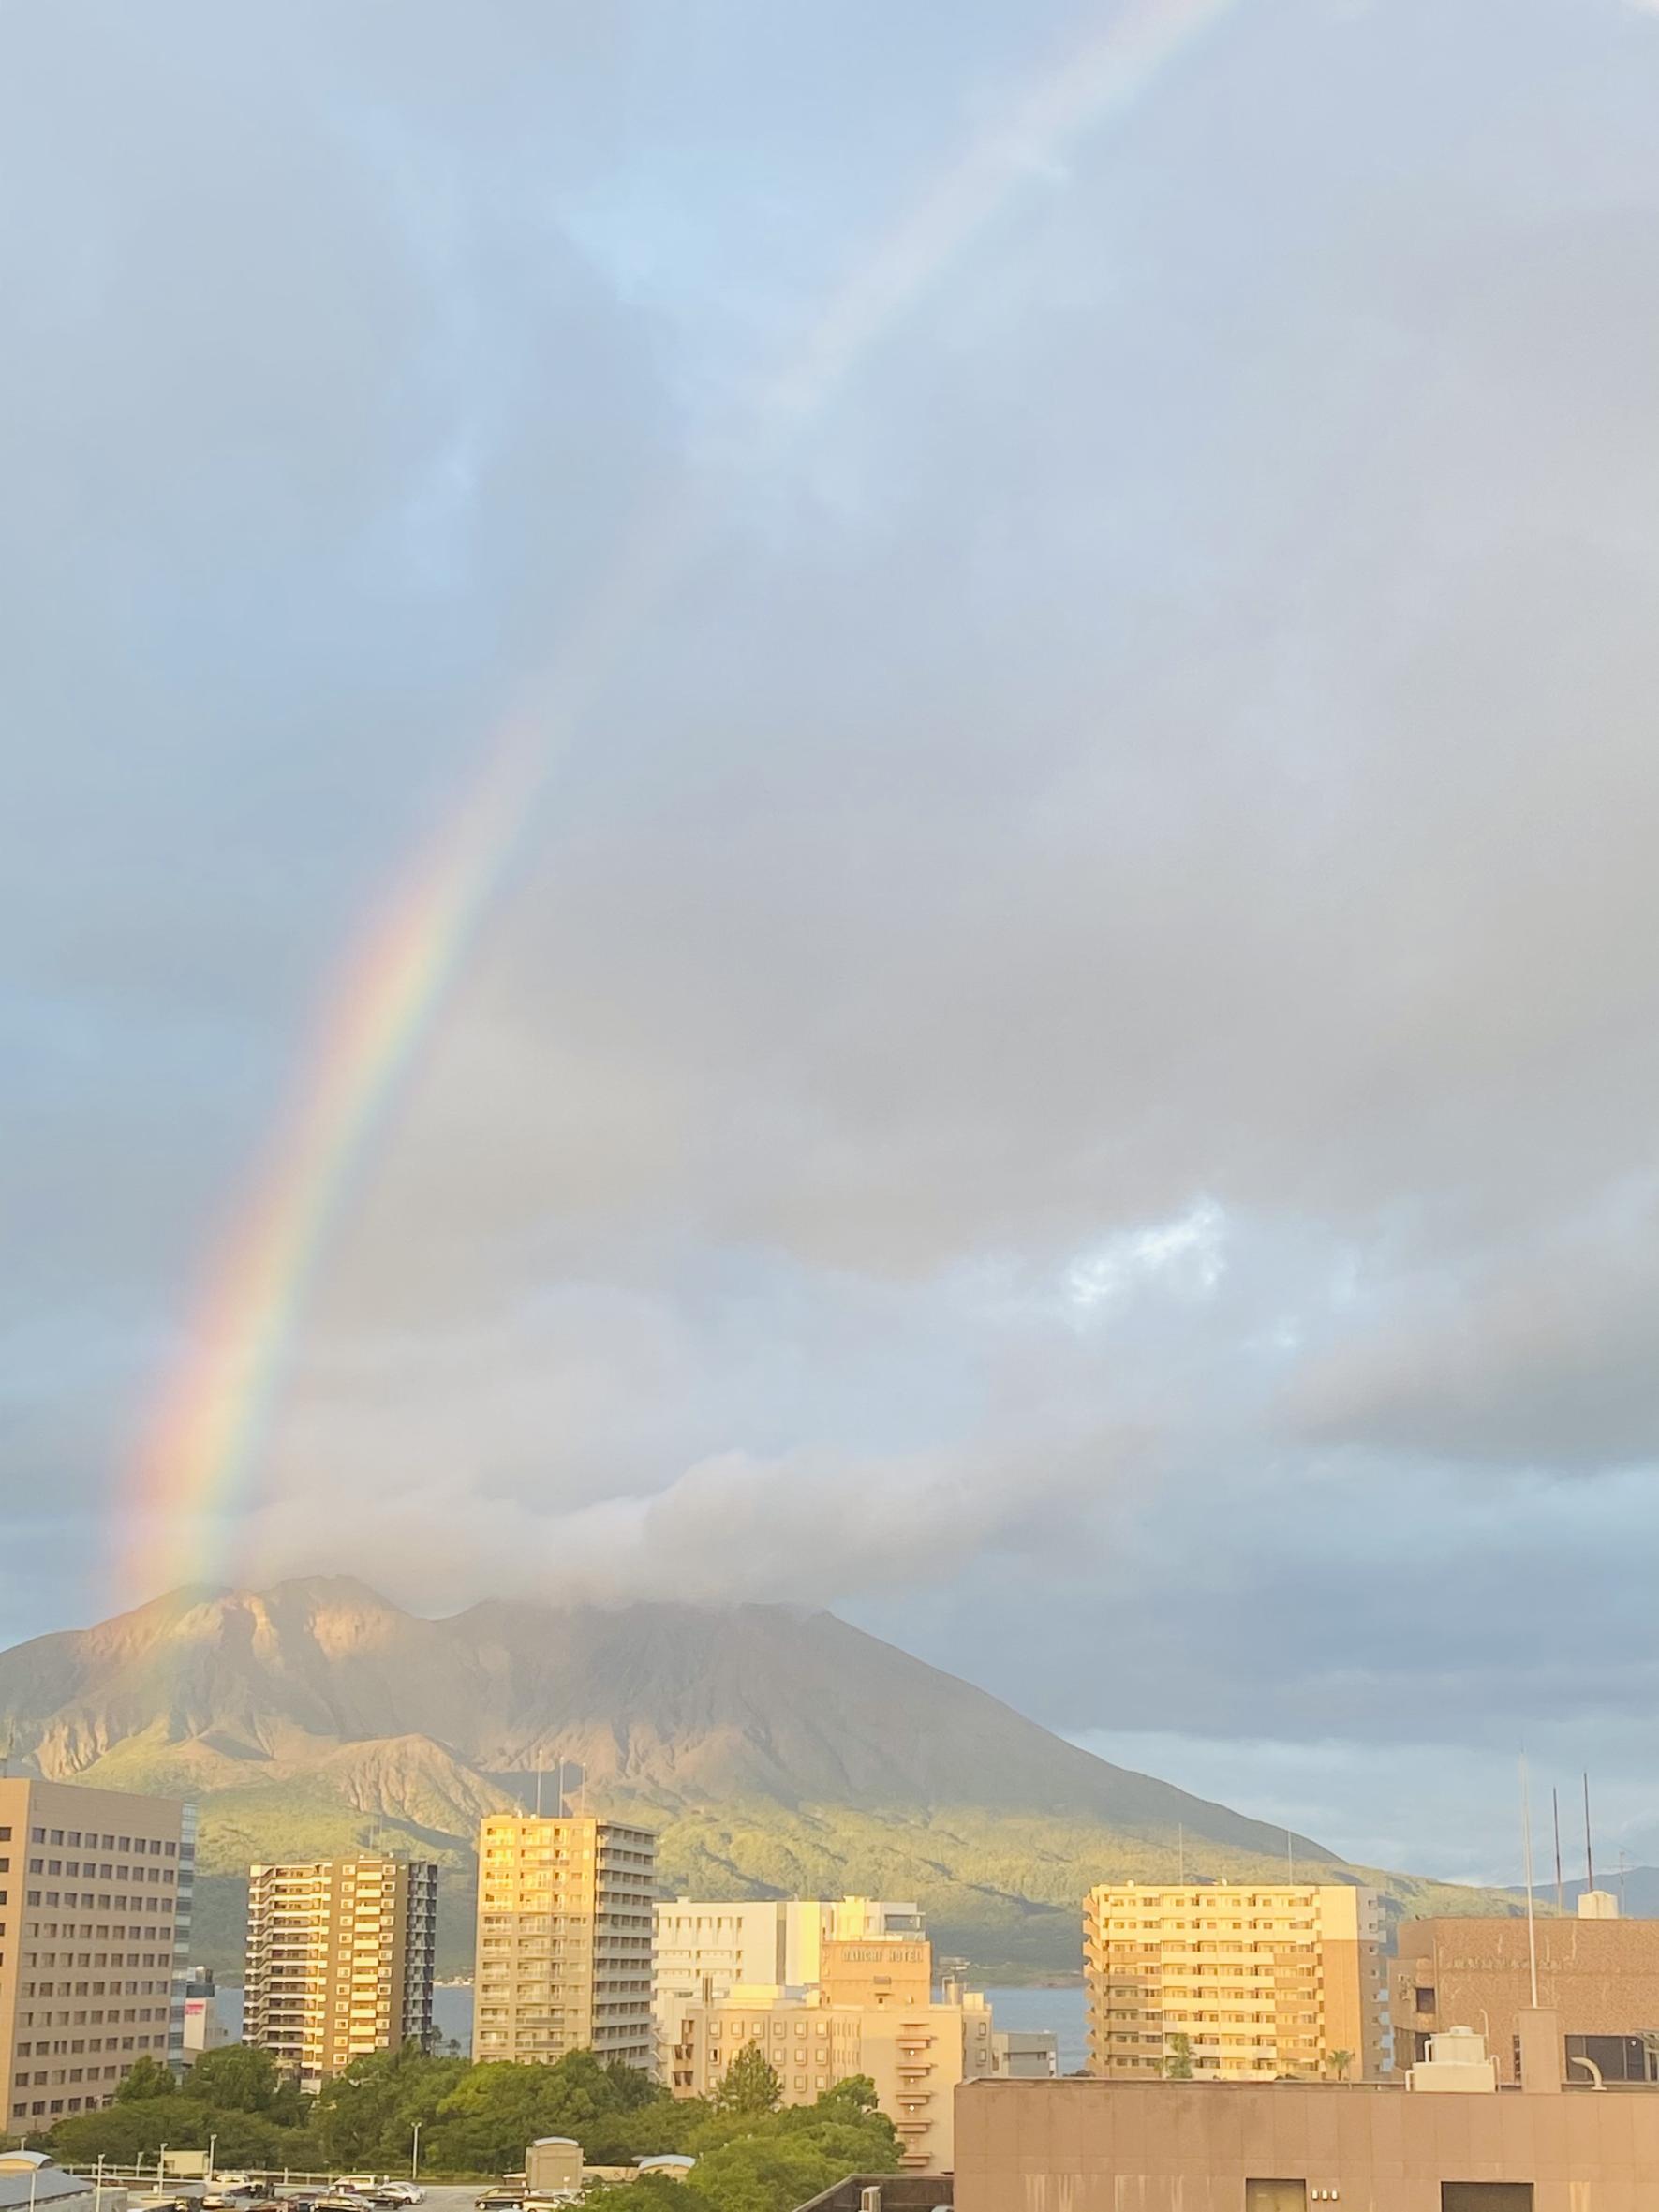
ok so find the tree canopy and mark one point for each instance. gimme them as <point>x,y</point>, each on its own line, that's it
<point>754,2153</point>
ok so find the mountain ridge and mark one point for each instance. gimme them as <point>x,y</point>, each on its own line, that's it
<point>776,1747</point>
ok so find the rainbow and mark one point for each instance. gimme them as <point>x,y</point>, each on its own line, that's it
<point>176,1513</point>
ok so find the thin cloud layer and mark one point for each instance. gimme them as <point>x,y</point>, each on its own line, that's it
<point>1066,1063</point>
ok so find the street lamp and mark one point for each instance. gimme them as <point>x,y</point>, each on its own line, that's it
<point>213,2144</point>
<point>415,2155</point>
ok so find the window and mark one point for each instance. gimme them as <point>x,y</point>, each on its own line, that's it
<point>1275,2196</point>
<point>1486,2196</point>
<point>1614,2057</point>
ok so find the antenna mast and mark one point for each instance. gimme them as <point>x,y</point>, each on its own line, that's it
<point>1555,1809</point>
<point>1526,1825</point>
<point>1589,1855</point>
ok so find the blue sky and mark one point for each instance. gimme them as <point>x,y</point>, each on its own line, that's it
<point>1066,1061</point>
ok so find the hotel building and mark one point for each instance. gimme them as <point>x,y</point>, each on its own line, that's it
<point>339,1961</point>
<point>871,2011</point>
<point>564,1939</point>
<point>95,1916</point>
<point>1261,1978</point>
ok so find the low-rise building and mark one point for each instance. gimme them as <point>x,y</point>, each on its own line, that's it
<point>203,2028</point>
<point>1255,1979</point>
<point>1024,2053</point>
<point>874,2013</point>
<point>1599,1974</point>
<point>1083,2146</point>
<point>914,2053</point>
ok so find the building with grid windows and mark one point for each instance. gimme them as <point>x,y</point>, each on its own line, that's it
<point>95,1915</point>
<point>1241,1981</point>
<point>339,1961</point>
<point>564,1939</point>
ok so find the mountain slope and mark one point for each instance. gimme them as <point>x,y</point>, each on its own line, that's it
<point>772,1749</point>
<point>704,1705</point>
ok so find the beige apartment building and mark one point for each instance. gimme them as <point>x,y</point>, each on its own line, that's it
<point>95,1916</point>
<point>1262,1978</point>
<point>1598,1973</point>
<point>564,1939</point>
<point>339,1961</point>
<point>871,2013</point>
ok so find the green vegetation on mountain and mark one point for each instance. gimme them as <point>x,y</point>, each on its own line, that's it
<point>777,1752</point>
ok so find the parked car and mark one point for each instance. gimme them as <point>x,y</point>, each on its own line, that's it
<point>399,2192</point>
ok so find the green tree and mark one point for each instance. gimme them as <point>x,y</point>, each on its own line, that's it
<point>367,2116</point>
<point>1339,2062</point>
<point>749,2086</point>
<point>237,2077</point>
<point>495,2109</point>
<point>1177,2058</point>
<point>123,2133</point>
<point>853,2101</point>
<point>149,2078</point>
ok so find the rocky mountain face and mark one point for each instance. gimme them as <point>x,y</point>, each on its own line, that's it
<point>323,1677</point>
<point>774,1750</point>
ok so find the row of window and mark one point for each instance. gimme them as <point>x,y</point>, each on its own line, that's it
<point>92,1841</point>
<point>53,2076</point>
<point>106,1870</point>
<point>132,1958</point>
<point>85,1989</point>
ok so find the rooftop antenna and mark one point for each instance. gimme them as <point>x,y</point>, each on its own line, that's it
<point>1555,1809</point>
<point>560,1813</point>
<point>1621,1882</point>
<point>539,1771</point>
<point>1180,1831</point>
<point>1290,1858</point>
<point>1589,1855</point>
<point>1526,1827</point>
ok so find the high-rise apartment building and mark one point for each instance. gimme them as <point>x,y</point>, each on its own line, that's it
<point>95,1916</point>
<point>564,1939</point>
<point>339,1961</point>
<point>1260,1979</point>
<point>705,1948</point>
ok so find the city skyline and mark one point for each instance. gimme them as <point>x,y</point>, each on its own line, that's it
<point>856,811</point>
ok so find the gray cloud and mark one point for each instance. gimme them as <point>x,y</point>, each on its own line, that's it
<point>1068,1059</point>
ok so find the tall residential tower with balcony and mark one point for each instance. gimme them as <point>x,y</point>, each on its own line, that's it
<point>564,1939</point>
<point>339,1961</point>
<point>1256,1979</point>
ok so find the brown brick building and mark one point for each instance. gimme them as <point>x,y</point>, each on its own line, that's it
<point>1600,1976</point>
